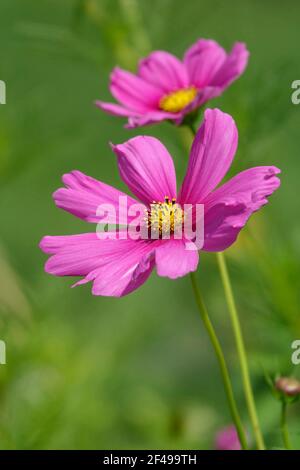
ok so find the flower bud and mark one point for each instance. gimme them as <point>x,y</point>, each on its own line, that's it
<point>288,386</point>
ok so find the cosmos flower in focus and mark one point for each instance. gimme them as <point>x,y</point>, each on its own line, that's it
<point>120,264</point>
<point>166,88</point>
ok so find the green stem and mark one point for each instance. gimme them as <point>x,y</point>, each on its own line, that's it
<point>284,428</point>
<point>239,344</point>
<point>221,360</point>
<point>241,350</point>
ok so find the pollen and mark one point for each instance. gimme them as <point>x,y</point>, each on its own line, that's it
<point>178,100</point>
<point>164,217</point>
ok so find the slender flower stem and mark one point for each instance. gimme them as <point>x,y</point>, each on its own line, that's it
<point>284,428</point>
<point>241,350</point>
<point>239,343</point>
<point>221,360</point>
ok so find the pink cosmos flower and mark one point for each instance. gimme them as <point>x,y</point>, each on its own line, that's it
<point>227,439</point>
<point>118,266</point>
<point>167,88</point>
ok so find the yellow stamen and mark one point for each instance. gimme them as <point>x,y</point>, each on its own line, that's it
<point>164,217</point>
<point>176,101</point>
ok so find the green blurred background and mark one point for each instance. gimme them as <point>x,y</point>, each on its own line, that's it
<point>137,372</point>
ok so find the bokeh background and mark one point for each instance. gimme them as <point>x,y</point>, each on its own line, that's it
<point>138,372</point>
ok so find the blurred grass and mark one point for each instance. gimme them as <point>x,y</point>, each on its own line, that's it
<point>136,372</point>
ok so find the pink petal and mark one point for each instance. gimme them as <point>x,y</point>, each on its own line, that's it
<point>83,195</point>
<point>152,118</point>
<point>115,109</point>
<point>211,155</point>
<point>203,60</point>
<point>229,207</point>
<point>136,119</point>
<point>164,71</point>
<point>174,260</point>
<point>124,275</point>
<point>116,267</point>
<point>147,168</point>
<point>233,66</point>
<point>222,224</point>
<point>133,92</point>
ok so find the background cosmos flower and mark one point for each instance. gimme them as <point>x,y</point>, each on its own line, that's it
<point>227,439</point>
<point>119,266</point>
<point>167,88</point>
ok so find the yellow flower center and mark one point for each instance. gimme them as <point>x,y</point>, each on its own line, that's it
<point>164,217</point>
<point>176,101</point>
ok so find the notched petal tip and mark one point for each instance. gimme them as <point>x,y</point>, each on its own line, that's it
<point>48,267</point>
<point>49,244</point>
<point>272,170</point>
<point>209,113</point>
<point>115,73</point>
<point>43,244</point>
